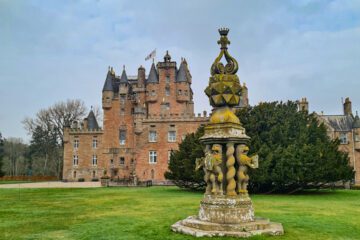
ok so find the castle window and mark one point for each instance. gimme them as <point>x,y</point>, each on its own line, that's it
<point>75,160</point>
<point>167,91</point>
<point>76,143</point>
<point>153,93</point>
<point>343,138</point>
<point>122,161</point>
<point>152,157</point>
<point>357,137</point>
<point>167,79</point>
<point>122,111</point>
<point>179,92</point>
<point>122,137</point>
<point>94,160</point>
<point>186,92</point>
<point>74,174</point>
<point>94,143</point>
<point>112,161</point>
<point>132,161</point>
<point>122,98</point>
<point>152,136</point>
<point>167,106</point>
<point>171,136</point>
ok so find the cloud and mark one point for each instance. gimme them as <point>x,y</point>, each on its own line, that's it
<point>52,51</point>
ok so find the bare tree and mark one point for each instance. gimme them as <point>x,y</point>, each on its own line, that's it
<point>48,125</point>
<point>14,160</point>
<point>56,117</point>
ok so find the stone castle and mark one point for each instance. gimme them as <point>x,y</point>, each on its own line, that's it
<point>345,127</point>
<point>145,118</point>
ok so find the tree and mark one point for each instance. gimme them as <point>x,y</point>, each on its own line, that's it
<point>14,157</point>
<point>47,131</point>
<point>1,154</point>
<point>294,151</point>
<point>182,162</point>
<point>56,117</point>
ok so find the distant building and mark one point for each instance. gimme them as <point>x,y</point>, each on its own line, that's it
<point>145,118</point>
<point>346,128</point>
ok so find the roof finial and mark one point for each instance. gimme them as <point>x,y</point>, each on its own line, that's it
<point>357,113</point>
<point>91,107</point>
<point>124,67</point>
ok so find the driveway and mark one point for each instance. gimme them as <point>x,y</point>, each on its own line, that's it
<point>52,185</point>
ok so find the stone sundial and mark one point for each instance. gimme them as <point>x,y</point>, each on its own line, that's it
<point>226,209</point>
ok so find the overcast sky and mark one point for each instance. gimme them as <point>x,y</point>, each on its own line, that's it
<point>51,51</point>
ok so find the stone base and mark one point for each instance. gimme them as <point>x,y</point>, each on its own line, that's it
<point>226,209</point>
<point>196,227</point>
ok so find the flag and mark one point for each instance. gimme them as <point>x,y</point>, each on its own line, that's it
<point>151,55</point>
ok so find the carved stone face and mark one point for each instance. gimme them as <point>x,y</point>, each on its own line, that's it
<point>217,152</point>
<point>242,149</point>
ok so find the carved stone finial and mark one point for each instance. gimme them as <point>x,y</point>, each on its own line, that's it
<point>224,86</point>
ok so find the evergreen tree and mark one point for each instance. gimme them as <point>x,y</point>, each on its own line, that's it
<point>294,151</point>
<point>182,162</point>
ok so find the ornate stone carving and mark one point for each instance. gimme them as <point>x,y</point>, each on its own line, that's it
<point>226,209</point>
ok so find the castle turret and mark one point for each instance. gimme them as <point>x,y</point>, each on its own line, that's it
<point>108,89</point>
<point>303,105</point>
<point>347,107</point>
<point>152,85</point>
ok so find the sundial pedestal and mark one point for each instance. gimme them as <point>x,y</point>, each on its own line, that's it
<point>226,209</point>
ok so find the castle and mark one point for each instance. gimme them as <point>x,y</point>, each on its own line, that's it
<point>145,118</point>
<point>346,128</point>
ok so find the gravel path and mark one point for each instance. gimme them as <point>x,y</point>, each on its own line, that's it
<point>52,185</point>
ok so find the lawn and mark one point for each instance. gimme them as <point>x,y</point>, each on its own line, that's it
<point>147,213</point>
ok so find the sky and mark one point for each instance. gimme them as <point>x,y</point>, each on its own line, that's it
<point>51,51</point>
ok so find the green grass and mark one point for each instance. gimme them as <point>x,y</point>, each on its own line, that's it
<point>147,213</point>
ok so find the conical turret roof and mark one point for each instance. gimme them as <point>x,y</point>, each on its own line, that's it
<point>92,122</point>
<point>108,85</point>
<point>153,75</point>
<point>356,123</point>
<point>123,78</point>
<point>182,73</point>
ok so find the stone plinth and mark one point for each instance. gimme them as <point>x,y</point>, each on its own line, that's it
<point>226,209</point>
<point>226,216</point>
<point>196,227</point>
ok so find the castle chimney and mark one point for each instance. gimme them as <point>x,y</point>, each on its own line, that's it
<point>347,107</point>
<point>141,76</point>
<point>204,113</point>
<point>303,105</point>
